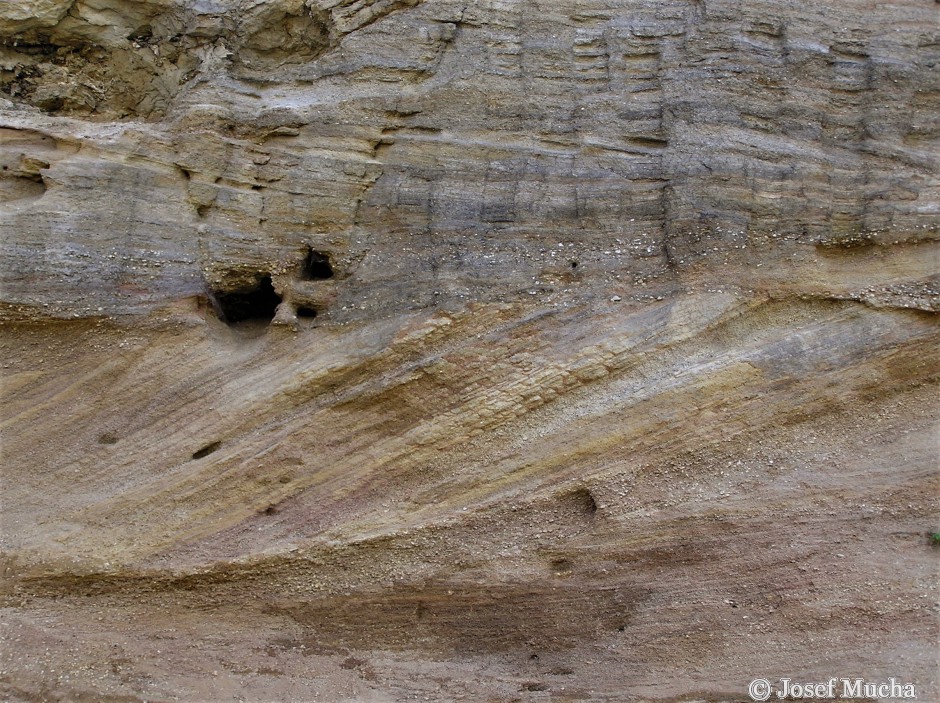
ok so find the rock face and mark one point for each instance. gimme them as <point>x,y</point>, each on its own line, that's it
<point>497,351</point>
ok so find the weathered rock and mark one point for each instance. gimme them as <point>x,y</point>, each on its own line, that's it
<point>490,351</point>
<point>23,15</point>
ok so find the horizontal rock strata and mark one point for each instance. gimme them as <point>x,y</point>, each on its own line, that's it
<point>501,351</point>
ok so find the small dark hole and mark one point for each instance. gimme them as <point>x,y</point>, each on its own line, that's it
<point>256,186</point>
<point>317,266</point>
<point>308,312</point>
<point>206,450</point>
<point>270,510</point>
<point>574,264</point>
<point>144,34</point>
<point>534,686</point>
<point>582,500</point>
<point>257,303</point>
<point>107,438</point>
<point>53,104</point>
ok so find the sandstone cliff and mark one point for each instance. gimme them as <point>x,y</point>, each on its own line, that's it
<point>380,350</point>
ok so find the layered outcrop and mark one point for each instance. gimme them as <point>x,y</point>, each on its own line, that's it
<point>476,351</point>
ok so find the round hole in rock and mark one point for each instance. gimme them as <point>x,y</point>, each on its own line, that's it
<point>255,303</point>
<point>581,500</point>
<point>306,312</point>
<point>317,266</point>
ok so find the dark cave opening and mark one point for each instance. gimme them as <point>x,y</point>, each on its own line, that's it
<point>256,303</point>
<point>317,266</point>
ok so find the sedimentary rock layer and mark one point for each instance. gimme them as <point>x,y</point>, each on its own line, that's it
<point>496,351</point>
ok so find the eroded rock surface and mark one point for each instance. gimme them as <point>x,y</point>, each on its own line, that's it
<point>405,349</point>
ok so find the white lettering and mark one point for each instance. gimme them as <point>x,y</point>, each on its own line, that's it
<point>852,689</point>
<point>893,688</point>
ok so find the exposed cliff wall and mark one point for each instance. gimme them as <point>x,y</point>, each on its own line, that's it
<point>473,351</point>
<point>444,151</point>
